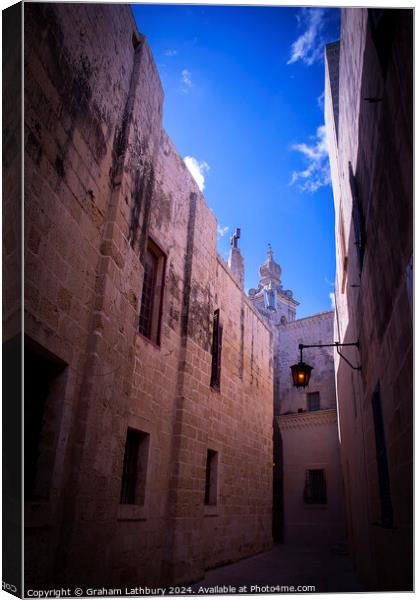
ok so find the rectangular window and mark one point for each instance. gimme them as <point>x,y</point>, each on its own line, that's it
<point>313,401</point>
<point>387,517</point>
<point>315,491</point>
<point>133,484</point>
<point>152,292</point>
<point>216,351</point>
<point>210,496</point>
<point>358,220</point>
<point>343,252</point>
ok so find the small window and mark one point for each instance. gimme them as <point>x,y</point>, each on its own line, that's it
<point>216,351</point>
<point>344,259</point>
<point>210,496</point>
<point>315,491</point>
<point>358,219</point>
<point>152,292</point>
<point>133,484</point>
<point>387,515</point>
<point>313,401</point>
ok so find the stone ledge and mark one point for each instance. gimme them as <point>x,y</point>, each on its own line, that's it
<point>322,316</point>
<point>307,419</point>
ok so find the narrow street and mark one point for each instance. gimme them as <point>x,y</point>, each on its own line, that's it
<point>287,566</point>
<point>217,291</point>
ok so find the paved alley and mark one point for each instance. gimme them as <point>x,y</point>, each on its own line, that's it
<point>286,566</point>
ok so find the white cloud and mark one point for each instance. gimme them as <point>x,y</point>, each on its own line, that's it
<point>317,171</point>
<point>221,231</point>
<point>170,52</point>
<point>186,80</point>
<point>320,100</point>
<point>331,284</point>
<point>309,47</point>
<point>198,170</point>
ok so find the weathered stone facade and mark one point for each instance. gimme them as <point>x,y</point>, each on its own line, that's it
<point>369,76</point>
<point>305,422</point>
<point>316,329</point>
<point>103,185</point>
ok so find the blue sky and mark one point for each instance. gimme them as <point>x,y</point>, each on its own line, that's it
<point>244,107</point>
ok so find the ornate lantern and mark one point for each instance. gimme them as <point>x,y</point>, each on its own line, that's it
<point>301,374</point>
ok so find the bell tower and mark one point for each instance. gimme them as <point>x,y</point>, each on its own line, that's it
<point>276,304</point>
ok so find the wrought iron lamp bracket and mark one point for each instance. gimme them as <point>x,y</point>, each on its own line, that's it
<point>334,345</point>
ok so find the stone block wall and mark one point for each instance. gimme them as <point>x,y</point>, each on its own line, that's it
<point>310,442</point>
<point>316,329</point>
<point>101,179</point>
<point>374,296</point>
<point>308,438</point>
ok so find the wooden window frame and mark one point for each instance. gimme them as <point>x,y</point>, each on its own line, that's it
<point>150,324</point>
<point>216,351</point>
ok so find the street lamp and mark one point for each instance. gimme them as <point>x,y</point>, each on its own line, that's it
<point>301,372</point>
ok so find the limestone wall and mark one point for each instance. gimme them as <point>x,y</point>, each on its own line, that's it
<point>308,440</point>
<point>374,296</point>
<point>317,329</point>
<point>101,177</point>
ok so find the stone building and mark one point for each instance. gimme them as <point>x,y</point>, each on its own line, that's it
<point>369,117</point>
<point>148,459</point>
<point>308,499</point>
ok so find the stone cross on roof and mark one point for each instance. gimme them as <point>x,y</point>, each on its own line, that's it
<point>235,237</point>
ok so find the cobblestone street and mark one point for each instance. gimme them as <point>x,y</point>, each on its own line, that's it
<point>287,566</point>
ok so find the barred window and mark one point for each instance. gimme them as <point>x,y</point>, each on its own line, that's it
<point>152,292</point>
<point>133,483</point>
<point>315,491</point>
<point>216,351</point>
<point>313,401</point>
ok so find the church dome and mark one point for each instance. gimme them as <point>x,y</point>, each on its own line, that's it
<point>270,271</point>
